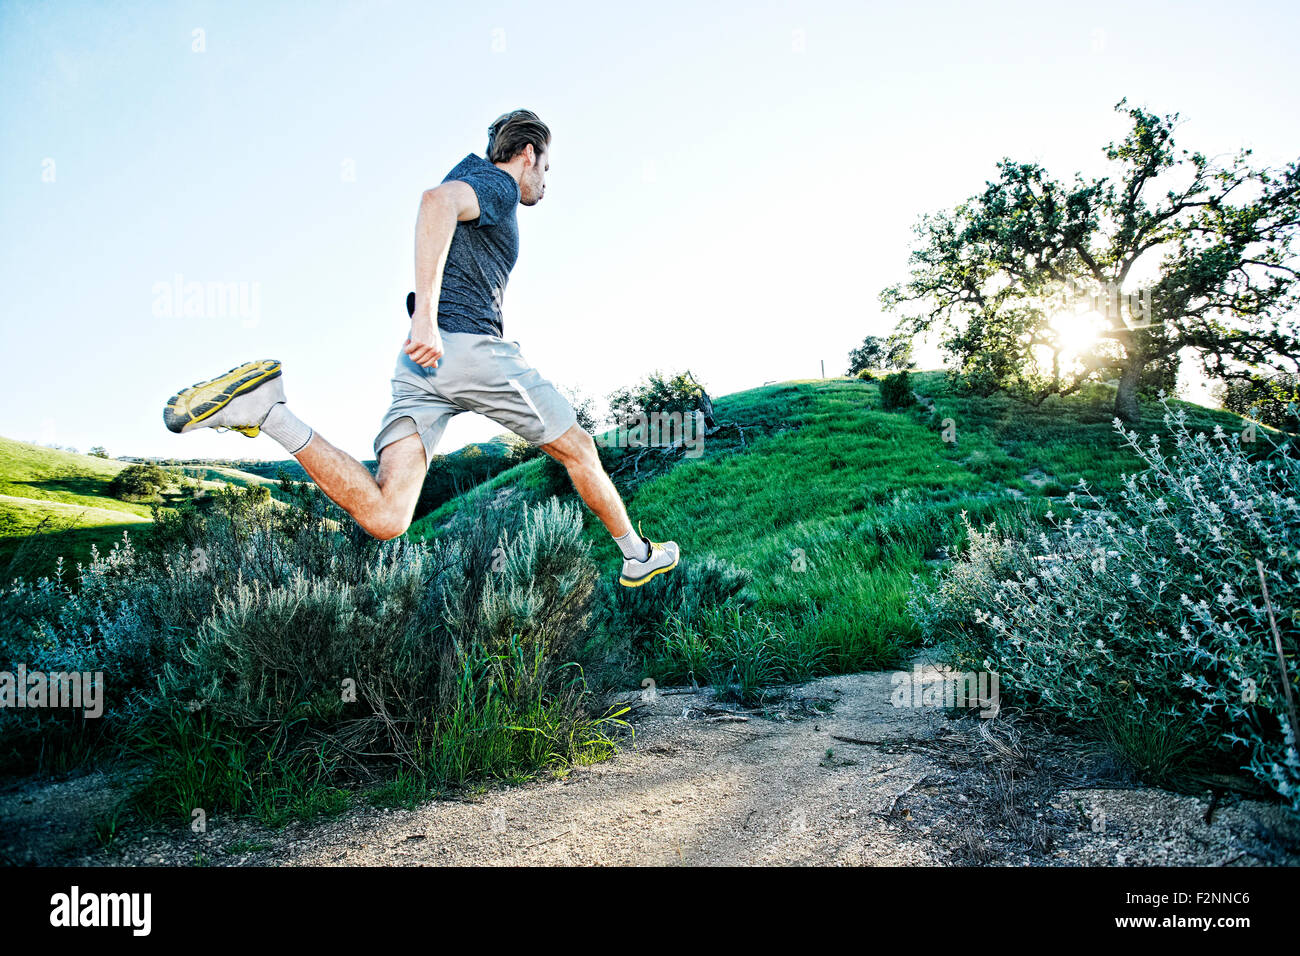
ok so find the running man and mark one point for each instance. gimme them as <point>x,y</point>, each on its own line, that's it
<point>453,360</point>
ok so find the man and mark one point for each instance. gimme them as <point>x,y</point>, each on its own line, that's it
<point>454,360</point>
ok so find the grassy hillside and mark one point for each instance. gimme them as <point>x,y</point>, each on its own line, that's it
<point>56,503</point>
<point>842,502</point>
<point>217,474</point>
<point>65,497</point>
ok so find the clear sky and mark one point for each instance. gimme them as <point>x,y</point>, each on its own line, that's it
<point>731,184</point>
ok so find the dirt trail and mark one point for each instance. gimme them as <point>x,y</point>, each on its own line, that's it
<point>901,786</point>
<point>690,790</point>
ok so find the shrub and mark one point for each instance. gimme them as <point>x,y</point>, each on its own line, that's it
<point>737,650</point>
<point>678,393</point>
<point>1143,618</point>
<point>139,482</point>
<point>635,617</point>
<point>891,352</point>
<point>867,375</point>
<point>896,391</point>
<point>457,473</point>
<point>261,657</point>
<point>1273,400</point>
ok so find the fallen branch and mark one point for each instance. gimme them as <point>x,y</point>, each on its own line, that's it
<point>906,790</point>
<point>634,462</point>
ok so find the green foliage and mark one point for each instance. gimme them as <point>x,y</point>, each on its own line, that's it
<point>1160,375</point>
<point>1273,400</point>
<point>876,352</point>
<point>139,482</point>
<point>635,617</point>
<point>737,650</point>
<point>263,657</point>
<point>98,451</point>
<point>678,393</point>
<point>1217,235</point>
<point>866,375</point>
<point>870,498</point>
<point>896,391</point>
<point>455,474</point>
<point>1141,616</point>
<point>586,408</point>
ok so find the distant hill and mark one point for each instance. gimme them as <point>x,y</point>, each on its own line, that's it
<point>238,470</point>
<point>57,503</point>
<point>63,496</point>
<point>234,476</point>
<point>261,468</point>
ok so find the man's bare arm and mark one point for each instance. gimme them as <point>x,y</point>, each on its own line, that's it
<point>440,209</point>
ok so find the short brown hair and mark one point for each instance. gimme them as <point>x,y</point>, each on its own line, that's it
<point>511,132</point>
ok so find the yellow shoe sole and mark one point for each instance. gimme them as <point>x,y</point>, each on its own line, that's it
<point>191,406</point>
<point>629,583</point>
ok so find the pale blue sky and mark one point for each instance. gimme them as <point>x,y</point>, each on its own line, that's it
<point>731,185</point>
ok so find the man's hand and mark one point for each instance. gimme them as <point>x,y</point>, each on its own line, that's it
<point>424,344</point>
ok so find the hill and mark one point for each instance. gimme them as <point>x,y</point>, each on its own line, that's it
<point>836,505</point>
<point>56,503</point>
<point>63,495</point>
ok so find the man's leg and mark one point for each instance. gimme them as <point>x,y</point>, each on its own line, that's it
<point>643,558</point>
<point>382,504</point>
<point>576,451</point>
<point>250,399</point>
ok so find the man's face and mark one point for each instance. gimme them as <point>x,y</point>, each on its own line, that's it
<point>532,184</point>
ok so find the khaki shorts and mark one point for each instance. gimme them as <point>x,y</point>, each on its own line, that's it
<point>477,373</point>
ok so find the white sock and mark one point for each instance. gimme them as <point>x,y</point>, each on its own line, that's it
<point>633,546</point>
<point>286,428</point>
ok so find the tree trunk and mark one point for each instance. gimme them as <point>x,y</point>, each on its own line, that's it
<point>706,408</point>
<point>1127,408</point>
<point>705,405</point>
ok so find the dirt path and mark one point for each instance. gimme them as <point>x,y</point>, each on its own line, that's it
<point>691,790</point>
<point>832,775</point>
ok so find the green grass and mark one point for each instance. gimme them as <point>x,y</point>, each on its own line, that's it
<point>835,509</point>
<point>483,735</point>
<point>57,504</point>
<point>832,509</point>
<point>46,474</point>
<point>217,474</point>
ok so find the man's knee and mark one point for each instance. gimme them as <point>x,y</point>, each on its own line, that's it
<point>386,523</point>
<point>402,468</point>
<point>386,531</point>
<point>575,448</point>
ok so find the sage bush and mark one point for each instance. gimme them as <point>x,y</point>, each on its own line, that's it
<point>256,652</point>
<point>1142,615</point>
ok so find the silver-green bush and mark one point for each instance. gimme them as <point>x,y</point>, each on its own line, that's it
<point>1143,616</point>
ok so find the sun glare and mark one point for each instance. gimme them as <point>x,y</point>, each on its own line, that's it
<point>1077,332</point>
